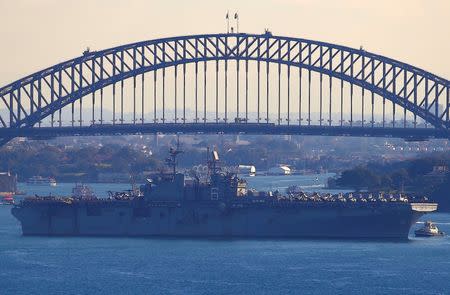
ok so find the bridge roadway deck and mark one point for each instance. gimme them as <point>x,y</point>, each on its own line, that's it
<point>413,134</point>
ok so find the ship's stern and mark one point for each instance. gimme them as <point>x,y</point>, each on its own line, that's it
<point>420,209</point>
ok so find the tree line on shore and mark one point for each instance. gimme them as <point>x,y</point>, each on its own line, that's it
<point>74,164</point>
<point>70,163</point>
<point>427,176</point>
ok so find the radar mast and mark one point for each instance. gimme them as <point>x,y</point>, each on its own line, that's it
<point>172,160</point>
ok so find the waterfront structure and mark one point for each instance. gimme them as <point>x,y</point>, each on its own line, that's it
<point>8,183</point>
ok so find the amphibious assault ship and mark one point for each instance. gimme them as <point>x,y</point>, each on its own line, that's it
<point>170,204</point>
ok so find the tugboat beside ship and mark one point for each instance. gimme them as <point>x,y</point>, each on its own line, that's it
<point>429,229</point>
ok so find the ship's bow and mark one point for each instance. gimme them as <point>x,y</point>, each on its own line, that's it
<point>15,211</point>
<point>31,220</point>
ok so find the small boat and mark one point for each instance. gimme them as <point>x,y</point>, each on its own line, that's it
<point>39,180</point>
<point>429,230</point>
<point>7,200</point>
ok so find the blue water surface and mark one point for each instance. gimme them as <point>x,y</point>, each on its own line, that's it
<point>80,265</point>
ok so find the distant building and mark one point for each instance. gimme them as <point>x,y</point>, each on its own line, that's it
<point>8,183</point>
<point>439,170</point>
<point>240,141</point>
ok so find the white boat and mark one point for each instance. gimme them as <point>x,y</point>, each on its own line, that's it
<point>279,170</point>
<point>428,230</point>
<point>39,180</point>
<point>249,170</point>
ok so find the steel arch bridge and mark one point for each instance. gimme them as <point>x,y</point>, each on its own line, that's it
<point>255,83</point>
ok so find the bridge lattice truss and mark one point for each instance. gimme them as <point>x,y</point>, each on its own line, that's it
<point>358,92</point>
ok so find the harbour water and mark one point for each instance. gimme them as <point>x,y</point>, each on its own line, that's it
<point>81,265</point>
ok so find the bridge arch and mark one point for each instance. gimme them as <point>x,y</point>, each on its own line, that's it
<point>31,99</point>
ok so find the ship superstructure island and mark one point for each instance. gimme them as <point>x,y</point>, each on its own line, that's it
<point>171,204</point>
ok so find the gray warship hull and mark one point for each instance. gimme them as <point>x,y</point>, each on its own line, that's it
<point>218,219</point>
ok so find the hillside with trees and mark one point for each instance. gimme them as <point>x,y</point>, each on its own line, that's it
<point>428,176</point>
<point>75,164</point>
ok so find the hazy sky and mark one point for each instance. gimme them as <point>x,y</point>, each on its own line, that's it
<point>39,33</point>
